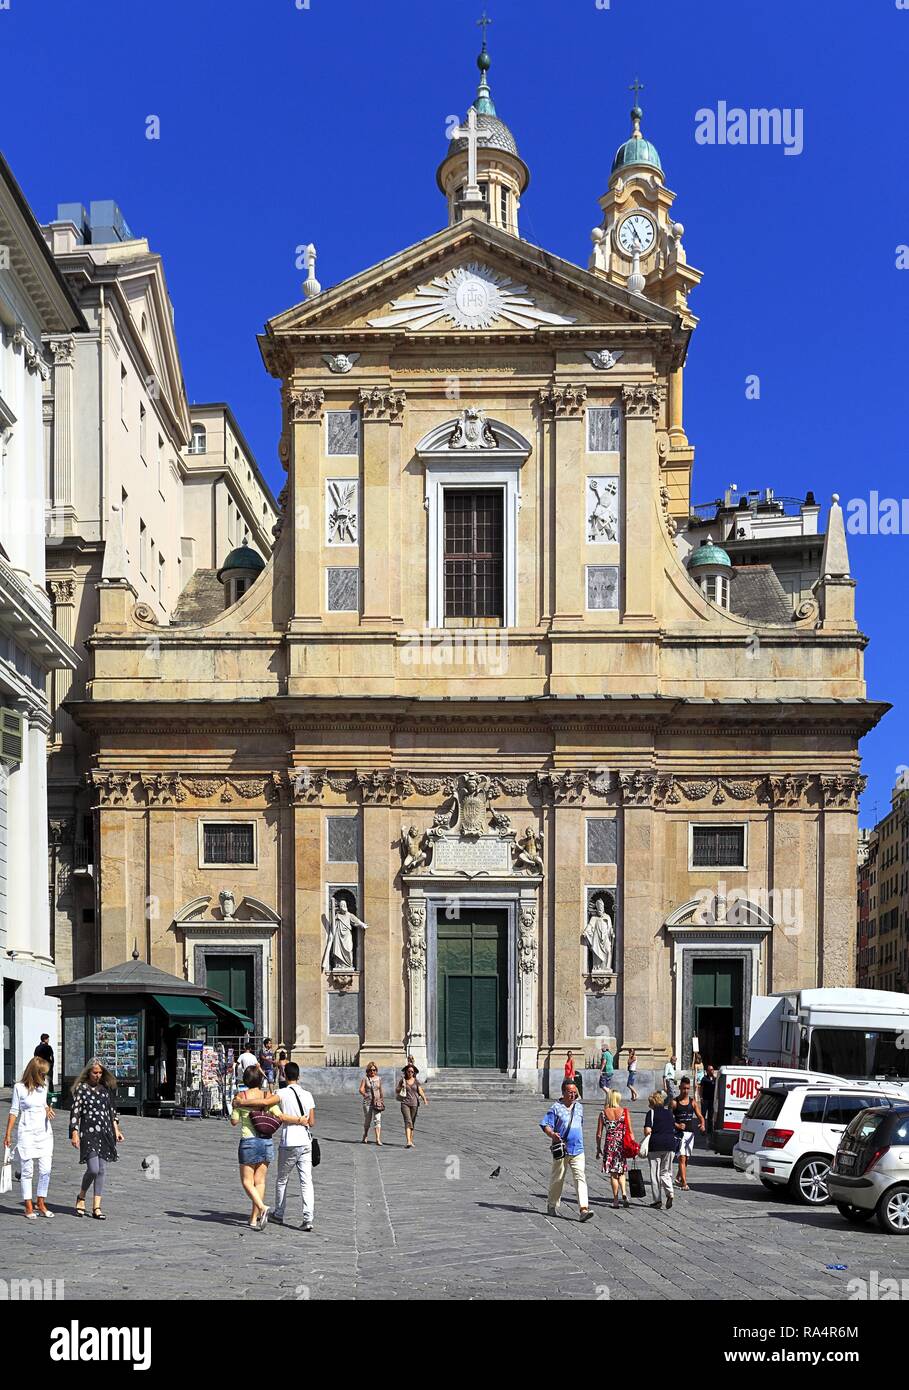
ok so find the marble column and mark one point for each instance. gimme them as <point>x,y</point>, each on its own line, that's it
<point>304,426</point>
<point>838,855</point>
<point>643,1022</point>
<point>381,911</point>
<point>63,493</point>
<point>382,416</point>
<point>63,593</point>
<point>642,405</point>
<point>567,878</point>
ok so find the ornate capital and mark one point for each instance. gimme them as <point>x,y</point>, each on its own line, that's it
<point>62,590</point>
<point>563,400</point>
<point>842,791</point>
<point>643,402</point>
<point>307,785</point>
<point>565,786</point>
<point>162,788</point>
<point>382,403</point>
<point>110,788</point>
<point>384,786</point>
<point>304,406</point>
<point>637,788</point>
<point>62,351</point>
<point>787,792</point>
<point>61,831</point>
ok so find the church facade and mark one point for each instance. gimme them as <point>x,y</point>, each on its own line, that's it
<point>477,768</point>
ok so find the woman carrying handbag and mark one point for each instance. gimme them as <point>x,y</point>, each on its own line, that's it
<point>616,1143</point>
<point>412,1096</point>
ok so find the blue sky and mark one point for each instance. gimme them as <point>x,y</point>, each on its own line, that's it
<point>282,125</point>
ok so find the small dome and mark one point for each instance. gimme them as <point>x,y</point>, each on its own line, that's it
<point>494,135</point>
<point>243,558</point>
<point>709,554</point>
<point>636,150</point>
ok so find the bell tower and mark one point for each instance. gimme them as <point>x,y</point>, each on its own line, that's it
<point>482,175</point>
<point>638,245</point>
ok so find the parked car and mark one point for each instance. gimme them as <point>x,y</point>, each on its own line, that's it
<point>736,1088</point>
<point>790,1135</point>
<point>870,1175</point>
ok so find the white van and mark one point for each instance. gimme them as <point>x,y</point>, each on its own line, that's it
<point>736,1089</point>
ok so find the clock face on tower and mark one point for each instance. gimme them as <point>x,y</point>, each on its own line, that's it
<point>636,234</point>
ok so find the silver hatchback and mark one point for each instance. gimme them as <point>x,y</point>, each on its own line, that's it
<point>870,1174</point>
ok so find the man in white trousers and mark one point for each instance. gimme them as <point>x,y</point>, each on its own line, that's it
<point>562,1124</point>
<point>295,1150</point>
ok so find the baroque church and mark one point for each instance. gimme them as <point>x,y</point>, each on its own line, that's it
<point>484,765</point>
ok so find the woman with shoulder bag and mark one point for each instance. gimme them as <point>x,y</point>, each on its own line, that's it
<point>616,1143</point>
<point>659,1136</point>
<point>373,1103</point>
<point>258,1113</point>
<point>412,1096</point>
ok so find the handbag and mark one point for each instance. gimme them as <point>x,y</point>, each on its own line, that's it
<point>644,1147</point>
<point>265,1124</point>
<point>6,1173</point>
<point>559,1147</point>
<point>630,1147</point>
<point>636,1182</point>
<point>315,1151</point>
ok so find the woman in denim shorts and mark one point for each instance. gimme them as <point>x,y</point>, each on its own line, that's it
<point>255,1153</point>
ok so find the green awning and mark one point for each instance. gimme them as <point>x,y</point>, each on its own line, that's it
<point>232,1014</point>
<point>184,1008</point>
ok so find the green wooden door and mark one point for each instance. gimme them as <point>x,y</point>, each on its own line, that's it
<point>232,977</point>
<point>717,1009</point>
<point>472,994</point>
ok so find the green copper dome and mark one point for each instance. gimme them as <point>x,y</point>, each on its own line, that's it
<point>709,554</point>
<point>243,558</point>
<point>636,150</point>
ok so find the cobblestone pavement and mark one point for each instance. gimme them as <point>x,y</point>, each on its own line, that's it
<point>426,1224</point>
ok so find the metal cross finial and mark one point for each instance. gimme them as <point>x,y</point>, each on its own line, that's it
<point>484,24</point>
<point>636,86</point>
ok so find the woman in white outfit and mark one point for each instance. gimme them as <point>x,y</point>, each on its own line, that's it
<point>31,1114</point>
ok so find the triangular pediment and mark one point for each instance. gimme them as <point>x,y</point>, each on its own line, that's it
<point>470,278</point>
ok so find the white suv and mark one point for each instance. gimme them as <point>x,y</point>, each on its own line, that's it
<point>791,1133</point>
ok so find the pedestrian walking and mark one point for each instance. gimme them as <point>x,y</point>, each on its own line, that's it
<point>373,1103</point>
<point>295,1148</point>
<point>707,1095</point>
<point>670,1085</point>
<point>281,1060</point>
<point>412,1096</point>
<point>258,1113</point>
<point>31,1114</point>
<point>632,1073</point>
<point>572,1074</point>
<point>94,1129</point>
<point>563,1124</point>
<point>659,1137</point>
<point>46,1053</point>
<point>607,1068</point>
<point>614,1134</point>
<point>267,1060</point>
<point>688,1119</point>
<point>247,1058</point>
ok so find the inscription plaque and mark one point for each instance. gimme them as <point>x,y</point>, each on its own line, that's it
<point>487,854</point>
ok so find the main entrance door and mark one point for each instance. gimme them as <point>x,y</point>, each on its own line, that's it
<point>472,989</point>
<point>717,1009</point>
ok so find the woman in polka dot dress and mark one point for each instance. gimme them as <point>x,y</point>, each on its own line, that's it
<point>94,1127</point>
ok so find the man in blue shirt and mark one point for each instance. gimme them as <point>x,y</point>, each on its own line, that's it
<point>563,1122</point>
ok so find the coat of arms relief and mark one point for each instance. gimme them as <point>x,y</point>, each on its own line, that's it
<point>469,836</point>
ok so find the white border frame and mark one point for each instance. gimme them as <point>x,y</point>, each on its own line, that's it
<point>717,825</point>
<point>602,565</point>
<point>356,569</point>
<point>603,453</point>
<point>228,820</point>
<point>470,476</point>
<point>348,815</point>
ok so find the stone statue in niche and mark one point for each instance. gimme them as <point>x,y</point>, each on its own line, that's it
<point>527,852</point>
<point>600,937</point>
<point>339,948</point>
<point>228,905</point>
<point>413,853</point>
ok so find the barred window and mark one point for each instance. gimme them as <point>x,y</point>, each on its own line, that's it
<point>474,555</point>
<point>717,846</point>
<point>225,842</point>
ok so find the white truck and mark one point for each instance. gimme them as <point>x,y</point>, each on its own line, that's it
<point>857,1034</point>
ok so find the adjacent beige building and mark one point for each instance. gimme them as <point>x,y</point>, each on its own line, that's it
<point>140,488</point>
<point>478,767</point>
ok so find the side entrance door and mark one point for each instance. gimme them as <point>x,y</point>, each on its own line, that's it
<point>717,1009</point>
<point>472,989</point>
<point>232,977</point>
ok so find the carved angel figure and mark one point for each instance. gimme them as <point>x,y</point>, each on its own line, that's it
<point>604,359</point>
<point>341,362</point>
<point>527,851</point>
<point>413,855</point>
